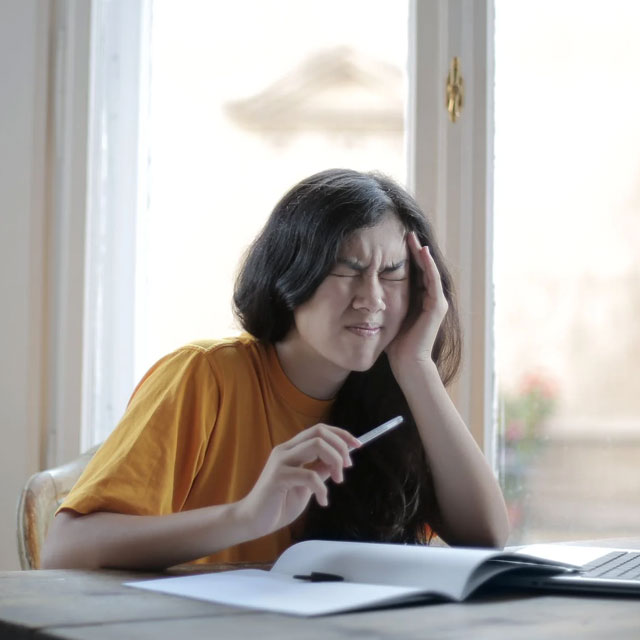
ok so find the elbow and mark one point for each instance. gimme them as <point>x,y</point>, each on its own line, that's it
<point>52,552</point>
<point>490,533</point>
<point>492,525</point>
<point>56,554</point>
<point>63,547</point>
<point>495,539</point>
<point>64,556</point>
<point>490,538</point>
<point>49,559</point>
<point>51,556</point>
<point>496,532</point>
<point>502,530</point>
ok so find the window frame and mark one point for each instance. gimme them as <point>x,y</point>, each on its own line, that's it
<point>119,81</point>
<point>451,175</point>
<point>64,303</point>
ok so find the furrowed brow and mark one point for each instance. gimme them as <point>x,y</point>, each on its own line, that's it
<point>351,263</point>
<point>396,266</point>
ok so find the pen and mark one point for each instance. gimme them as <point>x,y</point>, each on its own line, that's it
<point>380,430</point>
<point>318,576</point>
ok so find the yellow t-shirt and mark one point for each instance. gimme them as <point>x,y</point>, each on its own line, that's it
<point>197,432</point>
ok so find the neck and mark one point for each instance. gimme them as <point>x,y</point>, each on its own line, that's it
<point>308,370</point>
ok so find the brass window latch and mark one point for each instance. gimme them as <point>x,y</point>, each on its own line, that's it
<point>455,90</point>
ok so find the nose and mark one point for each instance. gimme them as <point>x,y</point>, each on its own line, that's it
<point>369,295</point>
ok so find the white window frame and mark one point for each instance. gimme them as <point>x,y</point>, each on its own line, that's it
<point>450,172</point>
<point>90,289</point>
<point>65,251</point>
<point>117,166</point>
<point>451,175</point>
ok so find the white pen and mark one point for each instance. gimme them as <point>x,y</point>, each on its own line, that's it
<point>378,431</point>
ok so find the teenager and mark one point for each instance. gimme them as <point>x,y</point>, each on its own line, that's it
<point>231,450</point>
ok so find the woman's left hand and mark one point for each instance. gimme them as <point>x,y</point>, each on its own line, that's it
<point>415,340</point>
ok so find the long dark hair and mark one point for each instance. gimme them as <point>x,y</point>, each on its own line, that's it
<point>388,494</point>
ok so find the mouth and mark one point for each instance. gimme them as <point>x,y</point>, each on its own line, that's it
<point>365,330</point>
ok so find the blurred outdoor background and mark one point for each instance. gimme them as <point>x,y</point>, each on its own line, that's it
<point>567,266</point>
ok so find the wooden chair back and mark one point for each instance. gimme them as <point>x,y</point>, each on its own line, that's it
<point>41,496</point>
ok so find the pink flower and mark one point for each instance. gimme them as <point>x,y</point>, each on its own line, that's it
<point>515,430</point>
<point>539,383</point>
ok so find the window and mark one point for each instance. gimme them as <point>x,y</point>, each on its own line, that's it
<point>567,272</point>
<point>245,100</point>
<point>236,102</point>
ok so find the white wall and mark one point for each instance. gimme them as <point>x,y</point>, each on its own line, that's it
<point>23,112</point>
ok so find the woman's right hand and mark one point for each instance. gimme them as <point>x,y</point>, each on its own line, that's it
<point>296,470</point>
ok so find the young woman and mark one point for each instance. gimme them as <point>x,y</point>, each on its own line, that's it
<point>231,450</point>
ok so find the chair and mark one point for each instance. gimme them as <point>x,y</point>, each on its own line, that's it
<point>42,495</point>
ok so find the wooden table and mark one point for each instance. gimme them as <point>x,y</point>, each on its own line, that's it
<point>94,605</point>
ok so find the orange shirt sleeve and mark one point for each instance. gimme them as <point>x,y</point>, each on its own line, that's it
<point>148,464</point>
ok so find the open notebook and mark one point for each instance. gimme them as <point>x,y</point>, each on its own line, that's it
<point>320,577</point>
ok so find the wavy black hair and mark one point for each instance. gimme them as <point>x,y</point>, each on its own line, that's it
<point>388,494</point>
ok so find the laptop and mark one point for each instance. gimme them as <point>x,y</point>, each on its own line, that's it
<point>598,569</point>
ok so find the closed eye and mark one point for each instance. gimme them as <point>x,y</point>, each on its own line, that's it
<point>345,268</point>
<point>395,272</point>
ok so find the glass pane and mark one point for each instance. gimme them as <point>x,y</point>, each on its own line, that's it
<point>567,266</point>
<point>246,98</point>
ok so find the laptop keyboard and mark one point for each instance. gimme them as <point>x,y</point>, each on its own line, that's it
<point>620,565</point>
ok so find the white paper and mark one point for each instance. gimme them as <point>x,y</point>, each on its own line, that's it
<point>280,593</point>
<point>374,575</point>
<point>449,572</point>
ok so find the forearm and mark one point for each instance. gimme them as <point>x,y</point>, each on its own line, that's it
<point>295,470</point>
<point>471,505</point>
<point>116,540</point>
